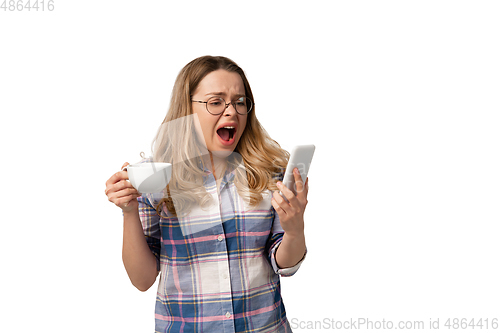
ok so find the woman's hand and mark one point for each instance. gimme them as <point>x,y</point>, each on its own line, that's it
<point>121,192</point>
<point>291,213</point>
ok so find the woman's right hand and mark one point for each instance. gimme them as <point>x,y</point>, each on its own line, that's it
<point>121,192</point>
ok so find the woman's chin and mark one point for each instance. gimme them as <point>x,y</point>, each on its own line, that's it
<point>222,153</point>
<point>222,148</point>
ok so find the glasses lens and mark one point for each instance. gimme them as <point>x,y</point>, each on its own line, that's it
<point>243,105</point>
<point>215,105</point>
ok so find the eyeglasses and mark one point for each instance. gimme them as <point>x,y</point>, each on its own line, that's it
<point>217,105</point>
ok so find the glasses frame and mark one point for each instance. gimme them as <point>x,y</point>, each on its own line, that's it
<point>226,105</point>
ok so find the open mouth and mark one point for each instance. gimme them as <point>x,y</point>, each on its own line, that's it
<point>226,133</point>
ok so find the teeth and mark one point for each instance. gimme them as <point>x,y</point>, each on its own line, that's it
<point>229,127</point>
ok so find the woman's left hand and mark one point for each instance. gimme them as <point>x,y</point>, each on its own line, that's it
<point>291,213</point>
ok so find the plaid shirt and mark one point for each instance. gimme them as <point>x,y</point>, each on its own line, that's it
<point>218,267</point>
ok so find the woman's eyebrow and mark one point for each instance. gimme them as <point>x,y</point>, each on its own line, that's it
<point>218,93</point>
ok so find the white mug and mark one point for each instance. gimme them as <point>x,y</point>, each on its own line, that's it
<point>149,177</point>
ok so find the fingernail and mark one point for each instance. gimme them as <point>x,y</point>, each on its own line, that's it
<point>296,171</point>
<point>278,183</point>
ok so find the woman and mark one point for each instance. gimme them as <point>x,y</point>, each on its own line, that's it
<point>220,234</point>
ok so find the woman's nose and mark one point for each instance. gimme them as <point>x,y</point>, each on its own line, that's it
<point>230,109</point>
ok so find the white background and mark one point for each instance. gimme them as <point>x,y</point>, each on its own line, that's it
<point>401,99</point>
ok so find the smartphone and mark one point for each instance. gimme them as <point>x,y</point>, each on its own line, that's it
<point>300,157</point>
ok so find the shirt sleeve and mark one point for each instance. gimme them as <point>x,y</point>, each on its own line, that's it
<point>274,242</point>
<point>150,221</point>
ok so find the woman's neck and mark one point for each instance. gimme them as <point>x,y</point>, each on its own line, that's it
<point>217,164</point>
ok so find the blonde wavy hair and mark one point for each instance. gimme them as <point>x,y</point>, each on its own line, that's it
<point>259,161</point>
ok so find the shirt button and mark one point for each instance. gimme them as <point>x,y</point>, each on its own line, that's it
<point>228,315</point>
<point>224,275</point>
<point>220,238</point>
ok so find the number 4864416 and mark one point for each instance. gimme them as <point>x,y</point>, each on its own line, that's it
<point>464,323</point>
<point>29,5</point>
